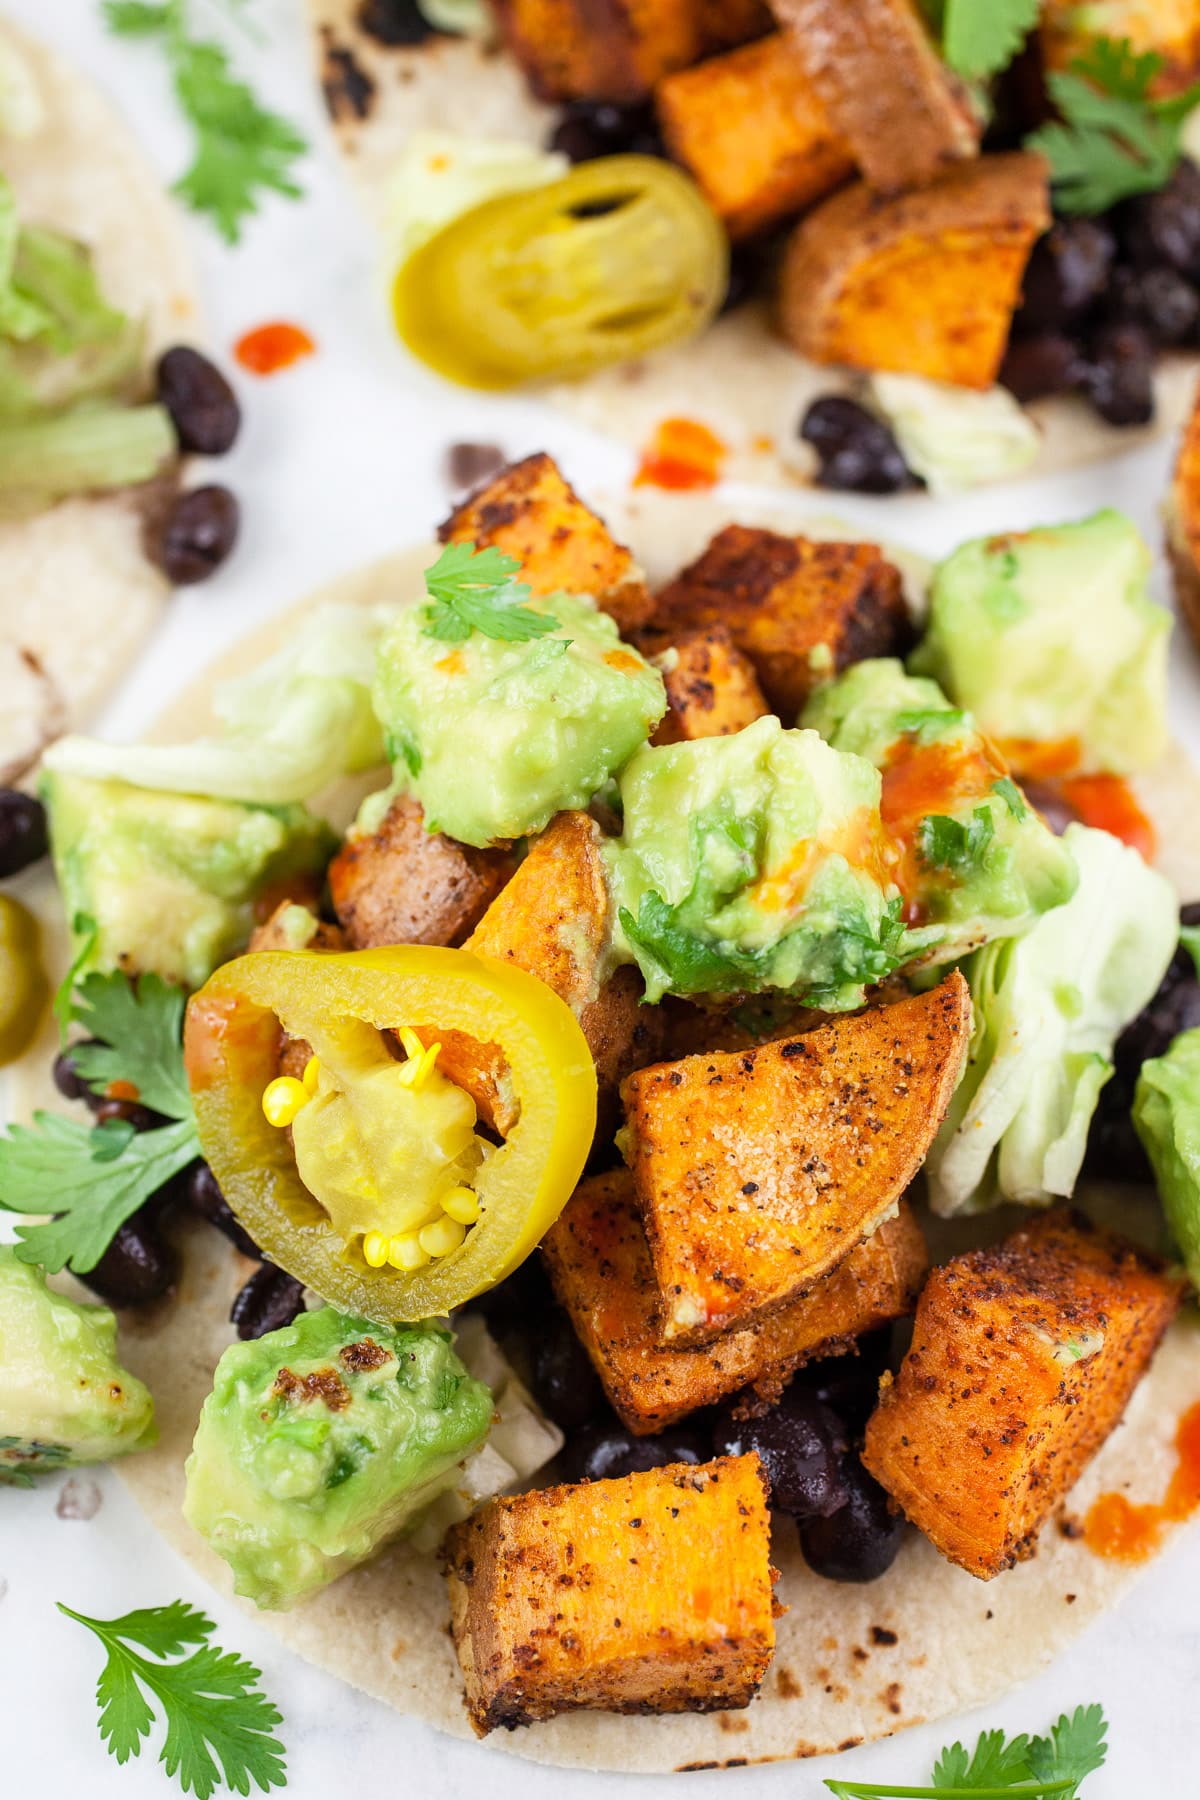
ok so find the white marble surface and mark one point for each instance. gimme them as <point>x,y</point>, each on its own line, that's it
<point>340,460</point>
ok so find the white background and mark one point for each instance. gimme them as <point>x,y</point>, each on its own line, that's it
<point>340,459</point>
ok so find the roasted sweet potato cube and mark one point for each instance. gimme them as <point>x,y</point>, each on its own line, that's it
<point>279,931</point>
<point>1183,524</point>
<point>799,610</point>
<point>617,50</point>
<point>886,90</point>
<point>553,920</point>
<point>646,1594</point>
<point>530,512</point>
<point>751,129</point>
<point>600,1265</point>
<point>405,885</point>
<point>758,1172</point>
<point>926,283</point>
<point>1023,1359</point>
<point>1169,27</point>
<point>712,689</point>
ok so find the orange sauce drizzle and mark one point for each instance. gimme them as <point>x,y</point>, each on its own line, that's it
<point>1123,1531</point>
<point>920,779</point>
<point>1032,756</point>
<point>1108,802</point>
<point>269,348</point>
<point>682,455</point>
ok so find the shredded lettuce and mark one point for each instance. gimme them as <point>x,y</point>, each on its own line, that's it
<point>81,451</point>
<point>441,174</point>
<point>953,438</point>
<point>1166,1114</point>
<point>294,725</point>
<point>1048,1007</point>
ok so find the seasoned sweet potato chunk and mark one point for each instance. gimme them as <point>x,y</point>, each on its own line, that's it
<point>712,689</point>
<point>1023,1359</point>
<point>926,283</point>
<point>690,1030</point>
<point>758,1172</point>
<point>405,885</point>
<point>600,1265</point>
<point>751,129</point>
<point>1183,524</point>
<point>618,49</point>
<point>530,512</point>
<point>553,919</point>
<point>284,930</point>
<point>647,1594</point>
<point>905,117</point>
<point>1169,27</point>
<point>799,610</point>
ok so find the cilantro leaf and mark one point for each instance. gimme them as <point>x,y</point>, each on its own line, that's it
<point>997,1762</point>
<point>1000,1768</point>
<point>1012,796</point>
<point>692,964</point>
<point>945,843</point>
<point>140,1024</point>
<point>1075,1748</point>
<point>219,1724</point>
<point>474,590</point>
<point>928,723</point>
<point>981,37</point>
<point>242,149</point>
<point>85,931</point>
<point>1189,937</point>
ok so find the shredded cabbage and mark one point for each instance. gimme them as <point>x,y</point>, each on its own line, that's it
<point>953,438</point>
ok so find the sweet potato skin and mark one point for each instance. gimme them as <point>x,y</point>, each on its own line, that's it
<point>405,885</point>
<point>751,129</point>
<point>799,610</point>
<point>531,512</point>
<point>984,1430</point>
<point>712,689</point>
<point>758,1172</point>
<point>905,117</point>
<point>1183,524</point>
<point>650,1593</point>
<point>1170,27</point>
<point>617,49</point>
<point>600,1266</point>
<point>923,284</point>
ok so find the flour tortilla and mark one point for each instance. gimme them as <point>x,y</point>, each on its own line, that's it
<point>77,596</point>
<point>740,378</point>
<point>853,1663</point>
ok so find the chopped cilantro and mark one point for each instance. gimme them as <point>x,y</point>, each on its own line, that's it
<point>928,723</point>
<point>1011,795</point>
<point>945,843</point>
<point>477,590</point>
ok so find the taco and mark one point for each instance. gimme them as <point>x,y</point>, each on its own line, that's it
<point>814,263</point>
<point>96,285</point>
<point>868,1027</point>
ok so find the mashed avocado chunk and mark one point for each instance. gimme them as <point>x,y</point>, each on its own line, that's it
<point>1166,1113</point>
<point>493,737</point>
<point>755,861</point>
<point>167,882</point>
<point>974,857</point>
<point>321,1442</point>
<point>64,1397</point>
<point>1052,641</point>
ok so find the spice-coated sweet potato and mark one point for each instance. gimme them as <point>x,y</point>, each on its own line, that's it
<point>758,1172</point>
<point>274,934</point>
<point>751,130</point>
<point>925,283</point>
<point>686,1029</point>
<point>600,1265</point>
<point>886,90</point>
<point>646,1594</point>
<point>798,609</point>
<point>405,885</point>
<point>529,511</point>
<point>712,689</point>
<point>1170,27</point>
<point>1023,1359</point>
<point>553,920</point>
<point>1183,524</point>
<point>617,49</point>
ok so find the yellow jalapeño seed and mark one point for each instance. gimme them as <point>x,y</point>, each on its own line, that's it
<point>282,1099</point>
<point>443,1236</point>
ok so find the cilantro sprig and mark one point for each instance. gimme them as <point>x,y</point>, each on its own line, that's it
<point>1001,1768</point>
<point>242,149</point>
<point>956,846</point>
<point>1114,137</point>
<point>477,590</point>
<point>219,1724</point>
<point>94,1177</point>
<point>980,39</point>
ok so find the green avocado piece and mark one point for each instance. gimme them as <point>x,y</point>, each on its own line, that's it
<point>64,1397</point>
<point>493,738</point>
<point>167,882</point>
<point>983,867</point>
<point>1166,1115</point>
<point>321,1442</point>
<point>754,861</point>
<point>1050,636</point>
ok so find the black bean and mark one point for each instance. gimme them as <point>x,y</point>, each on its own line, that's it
<point>136,1268</point>
<point>270,1299</point>
<point>859,1542</point>
<point>205,1197</point>
<point>1049,362</point>
<point>202,405</point>
<point>800,1443</point>
<point>749,264</point>
<point>589,129</point>
<point>394,22</point>
<point>1047,798</point>
<point>200,531</point>
<point>129,1111</point>
<point>857,450</point>
<point>1120,376</point>
<point>68,1081</point>
<point>1165,227</point>
<point>608,1449</point>
<point>849,1385</point>
<point>520,1302</point>
<point>1066,274</point>
<point>469,464</point>
<point>23,836</point>
<point>1161,300</point>
<point>562,1377</point>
